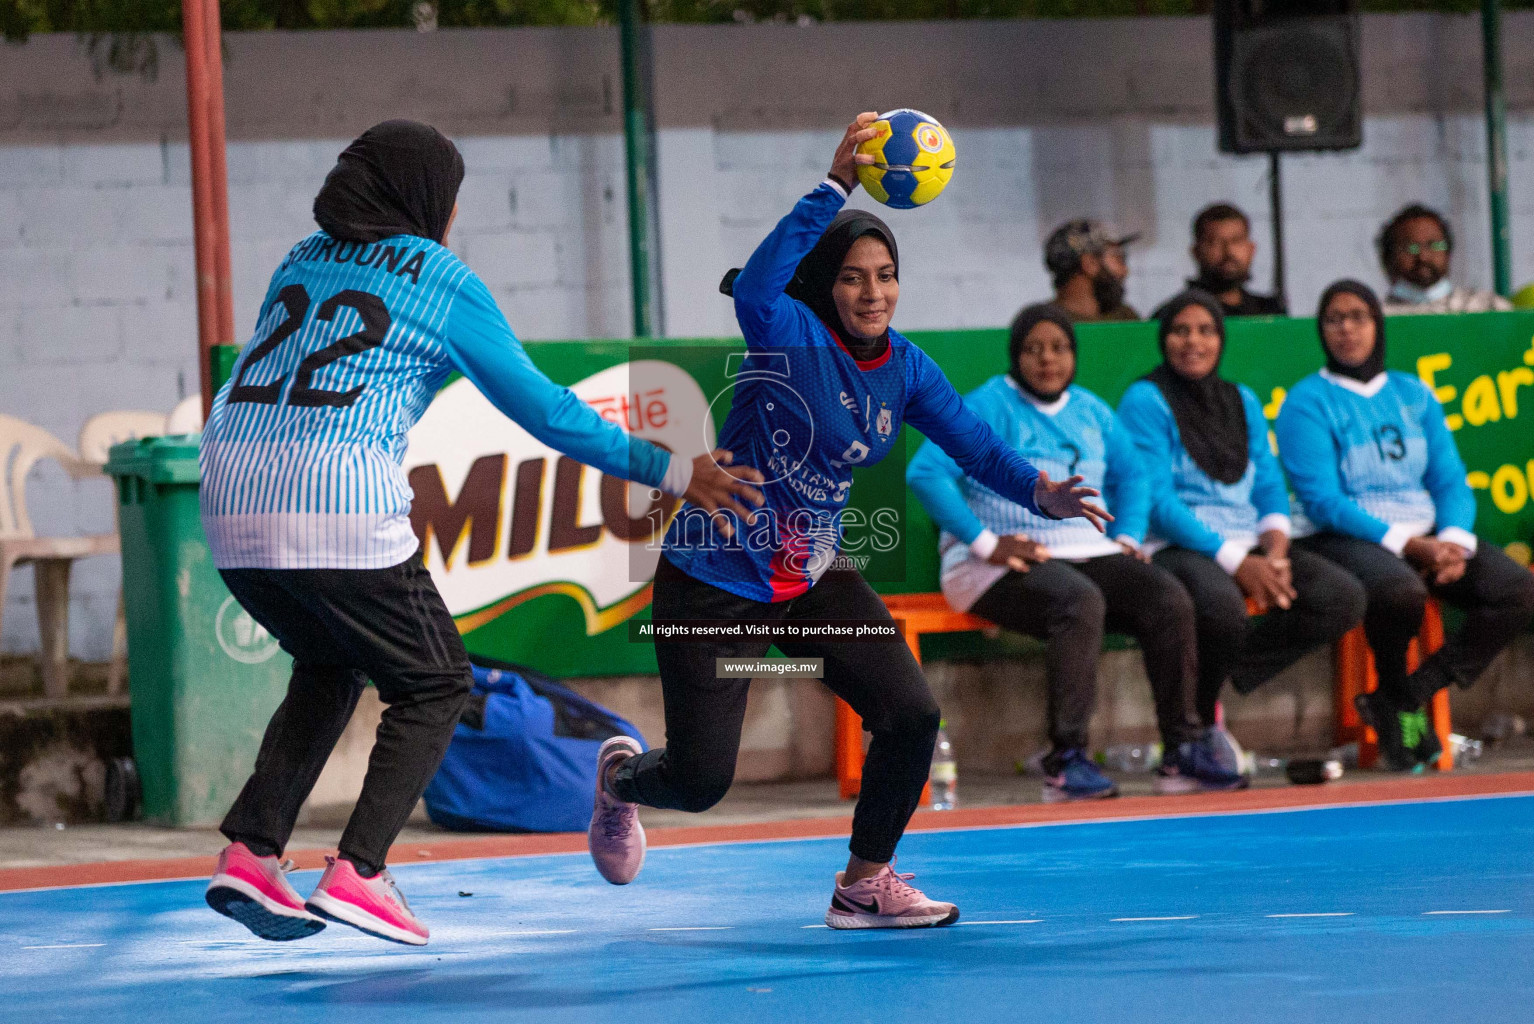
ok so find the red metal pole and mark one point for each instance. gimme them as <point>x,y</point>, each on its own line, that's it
<point>204,221</point>
<point>218,174</point>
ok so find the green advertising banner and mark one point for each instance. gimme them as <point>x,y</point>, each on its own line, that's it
<point>543,562</point>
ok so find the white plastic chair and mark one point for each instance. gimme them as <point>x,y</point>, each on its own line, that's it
<point>186,417</point>
<point>22,446</point>
<point>97,437</point>
<point>105,429</point>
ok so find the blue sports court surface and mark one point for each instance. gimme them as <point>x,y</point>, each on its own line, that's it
<point>1399,913</point>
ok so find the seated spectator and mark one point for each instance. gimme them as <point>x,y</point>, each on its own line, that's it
<point>1415,246</point>
<point>1059,580</point>
<point>1089,268</point>
<point>1223,251</point>
<point>1219,519</point>
<point>1378,474</point>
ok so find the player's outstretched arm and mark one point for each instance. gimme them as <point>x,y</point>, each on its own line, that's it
<point>1066,499</point>
<point>934,478</point>
<point>481,344</point>
<point>937,410</point>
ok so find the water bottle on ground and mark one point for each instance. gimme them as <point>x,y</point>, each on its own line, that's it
<point>1267,764</point>
<point>1133,758</point>
<point>945,772</point>
<point>1466,750</point>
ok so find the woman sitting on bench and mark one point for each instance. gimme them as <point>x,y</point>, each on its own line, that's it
<point>1219,516</point>
<point>1371,458</point>
<point>1056,581</point>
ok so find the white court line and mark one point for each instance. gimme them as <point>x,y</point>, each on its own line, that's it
<point>1329,913</point>
<point>701,928</point>
<point>1034,920</point>
<point>1430,913</point>
<point>1180,917</point>
<point>540,931</point>
<point>808,926</point>
<point>76,945</point>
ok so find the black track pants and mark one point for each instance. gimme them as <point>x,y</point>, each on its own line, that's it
<point>881,681</point>
<point>1069,604</point>
<point>344,627</point>
<point>1250,651</point>
<point>1496,594</point>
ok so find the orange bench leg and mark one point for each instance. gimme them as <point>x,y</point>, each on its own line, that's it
<point>848,740</point>
<point>1356,674</point>
<point>1429,640</point>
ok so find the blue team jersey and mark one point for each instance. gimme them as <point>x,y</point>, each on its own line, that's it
<point>1364,457</point>
<point>1077,434</point>
<point>302,456</point>
<point>1189,508</point>
<point>806,412</point>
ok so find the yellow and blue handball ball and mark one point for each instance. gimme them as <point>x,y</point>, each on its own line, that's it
<point>913,159</point>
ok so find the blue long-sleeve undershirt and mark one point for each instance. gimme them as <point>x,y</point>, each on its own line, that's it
<point>1090,435</point>
<point>481,345</point>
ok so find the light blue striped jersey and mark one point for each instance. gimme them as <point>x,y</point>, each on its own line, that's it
<point>1365,457</point>
<point>1079,435</point>
<point>302,456</point>
<point>1189,508</point>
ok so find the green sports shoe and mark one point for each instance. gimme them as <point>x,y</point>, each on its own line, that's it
<point>1421,738</point>
<point>1392,728</point>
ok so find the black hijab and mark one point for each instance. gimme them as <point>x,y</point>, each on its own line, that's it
<point>397,178</point>
<point>1210,414</point>
<point>1374,365</point>
<point>1022,325</point>
<point>817,272</point>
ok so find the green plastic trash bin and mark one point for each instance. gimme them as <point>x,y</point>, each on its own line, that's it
<point>205,677</point>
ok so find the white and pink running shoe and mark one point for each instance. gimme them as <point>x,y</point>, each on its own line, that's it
<point>886,901</point>
<point>615,838</point>
<point>255,892</point>
<point>373,905</point>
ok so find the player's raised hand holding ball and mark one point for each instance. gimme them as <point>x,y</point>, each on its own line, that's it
<point>913,159</point>
<point>845,169</point>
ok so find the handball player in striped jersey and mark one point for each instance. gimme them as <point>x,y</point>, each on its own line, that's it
<point>824,387</point>
<point>307,512</point>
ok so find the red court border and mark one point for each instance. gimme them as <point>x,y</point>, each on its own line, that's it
<point>1393,790</point>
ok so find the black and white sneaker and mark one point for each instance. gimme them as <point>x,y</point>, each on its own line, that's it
<point>1193,768</point>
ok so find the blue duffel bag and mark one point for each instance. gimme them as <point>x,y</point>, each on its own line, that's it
<point>524,755</point>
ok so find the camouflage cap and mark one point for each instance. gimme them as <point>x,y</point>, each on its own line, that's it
<point>1068,242</point>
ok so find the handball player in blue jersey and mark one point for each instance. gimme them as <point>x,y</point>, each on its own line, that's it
<point>1371,459</point>
<point>307,511</point>
<point>824,387</point>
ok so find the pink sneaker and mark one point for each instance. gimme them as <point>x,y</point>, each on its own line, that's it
<point>255,892</point>
<point>373,905</point>
<point>615,838</point>
<point>886,901</point>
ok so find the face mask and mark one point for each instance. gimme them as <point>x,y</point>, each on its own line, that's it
<point>1405,291</point>
<point>1108,291</point>
<point>1211,280</point>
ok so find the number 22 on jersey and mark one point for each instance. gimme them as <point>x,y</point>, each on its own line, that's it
<point>295,301</point>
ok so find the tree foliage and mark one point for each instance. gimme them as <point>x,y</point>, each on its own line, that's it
<point>100,19</point>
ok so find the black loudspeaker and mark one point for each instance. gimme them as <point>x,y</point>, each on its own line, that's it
<point>1287,75</point>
